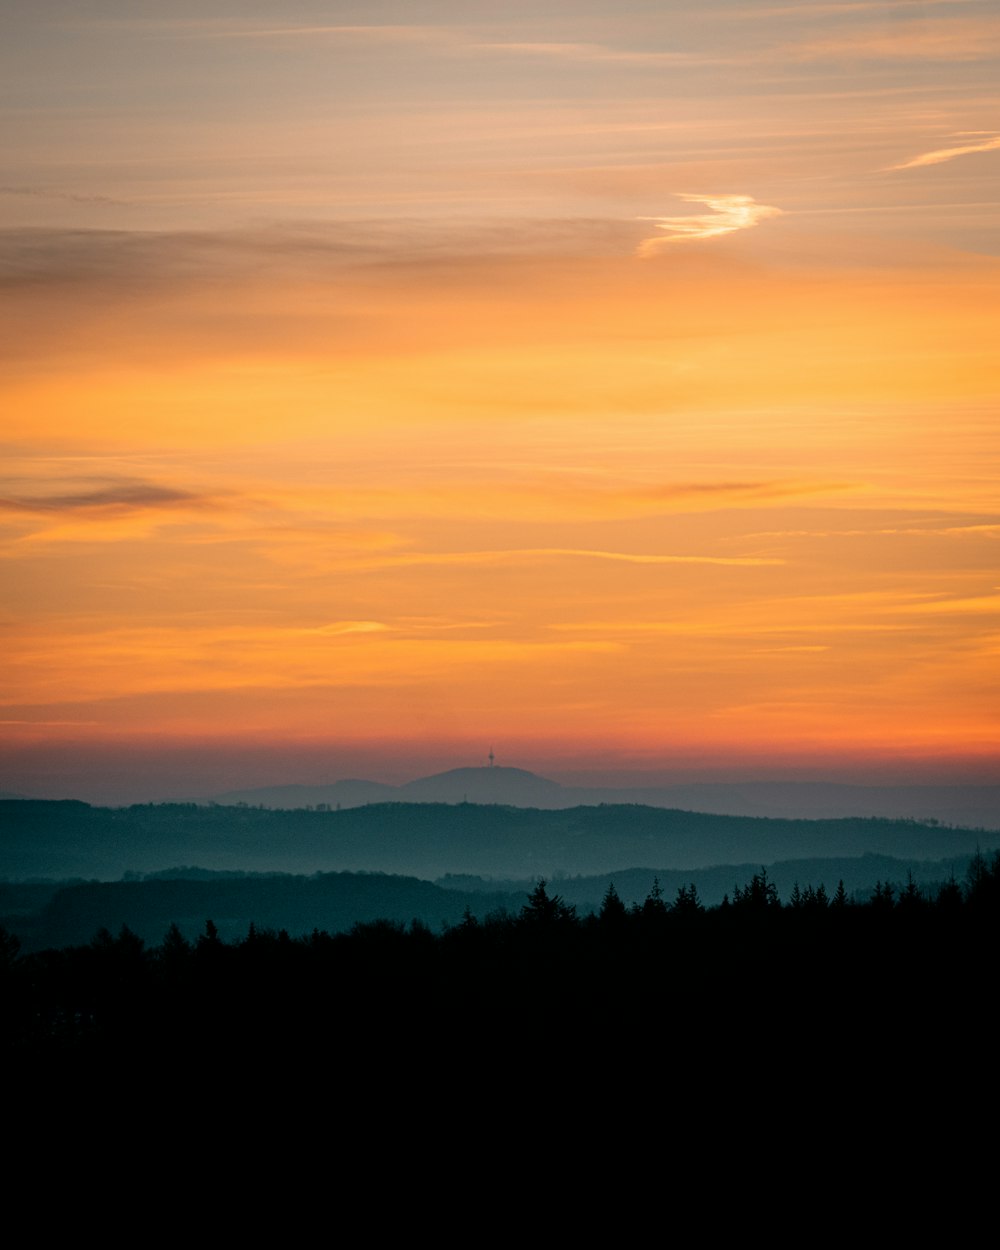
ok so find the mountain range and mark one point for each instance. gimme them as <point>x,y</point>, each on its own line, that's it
<point>71,839</point>
<point>975,806</point>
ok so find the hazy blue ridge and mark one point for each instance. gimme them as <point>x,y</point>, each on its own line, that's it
<point>68,839</point>
<point>970,805</point>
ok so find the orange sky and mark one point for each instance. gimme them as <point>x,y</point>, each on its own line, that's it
<point>619,385</point>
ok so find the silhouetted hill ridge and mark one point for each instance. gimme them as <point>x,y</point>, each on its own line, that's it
<point>429,840</point>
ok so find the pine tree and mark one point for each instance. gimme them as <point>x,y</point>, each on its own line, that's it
<point>949,896</point>
<point>542,910</point>
<point>882,897</point>
<point>687,902</point>
<point>758,894</point>
<point>654,906</point>
<point>910,898</point>
<point>613,910</point>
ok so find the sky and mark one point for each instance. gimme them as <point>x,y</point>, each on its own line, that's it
<point>612,384</point>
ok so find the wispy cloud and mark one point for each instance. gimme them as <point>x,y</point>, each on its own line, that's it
<point>52,193</point>
<point>98,666</point>
<point>458,40</point>
<point>309,250</point>
<point>240,28</point>
<point>391,33</point>
<point>939,155</point>
<point>338,628</point>
<point>712,627</point>
<point>921,38</point>
<point>601,53</point>
<point>113,510</point>
<point>49,723</point>
<point>844,8</point>
<point>986,530</point>
<point>728,214</point>
<point>985,604</point>
<point>942,39</point>
<point>125,495</point>
<point>519,555</point>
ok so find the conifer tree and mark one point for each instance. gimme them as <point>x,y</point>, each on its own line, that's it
<point>540,909</point>
<point>654,905</point>
<point>613,910</point>
<point>687,901</point>
<point>758,893</point>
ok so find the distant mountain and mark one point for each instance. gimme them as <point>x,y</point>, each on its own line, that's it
<point>971,806</point>
<point>968,806</point>
<point>428,840</point>
<point>72,914</point>
<point>513,786</point>
<point>348,793</point>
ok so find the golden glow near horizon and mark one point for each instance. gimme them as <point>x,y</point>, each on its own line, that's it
<point>604,382</point>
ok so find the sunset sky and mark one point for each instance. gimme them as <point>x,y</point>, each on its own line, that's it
<point>615,384</point>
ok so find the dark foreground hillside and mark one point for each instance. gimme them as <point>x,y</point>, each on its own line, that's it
<point>742,989</point>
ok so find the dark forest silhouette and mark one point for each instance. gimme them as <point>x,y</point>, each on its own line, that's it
<point>903,960</point>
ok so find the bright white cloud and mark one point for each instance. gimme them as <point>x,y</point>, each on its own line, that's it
<point>728,214</point>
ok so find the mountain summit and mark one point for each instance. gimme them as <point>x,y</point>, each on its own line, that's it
<point>515,786</point>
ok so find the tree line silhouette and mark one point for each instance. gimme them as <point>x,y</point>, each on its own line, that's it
<point>770,965</point>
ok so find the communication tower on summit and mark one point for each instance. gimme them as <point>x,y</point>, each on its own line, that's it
<point>491,757</point>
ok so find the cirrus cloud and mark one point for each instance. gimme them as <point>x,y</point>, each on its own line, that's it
<point>939,155</point>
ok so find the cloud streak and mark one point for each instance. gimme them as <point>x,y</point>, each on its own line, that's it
<point>958,40</point>
<point>518,555</point>
<point>990,530</point>
<point>729,213</point>
<point>940,155</point>
<point>599,53</point>
<point>126,495</point>
<point>303,251</point>
<point>50,193</point>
